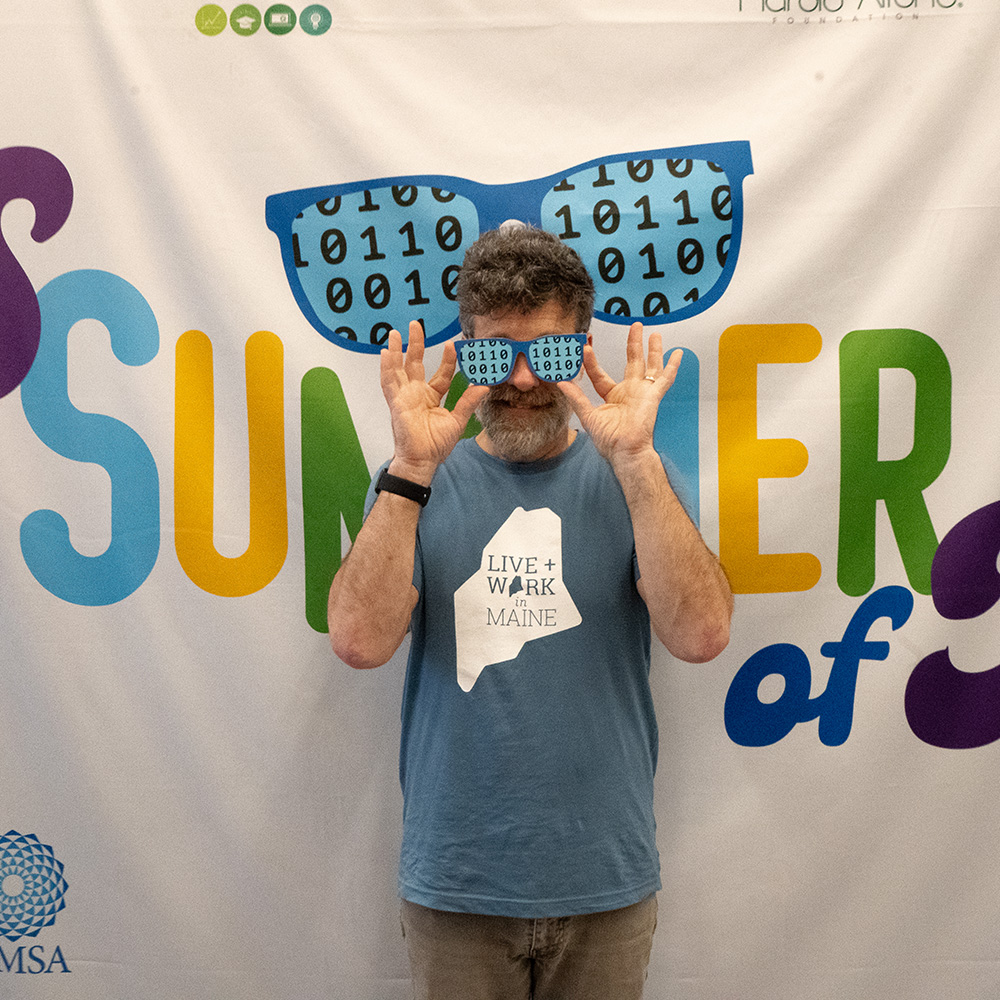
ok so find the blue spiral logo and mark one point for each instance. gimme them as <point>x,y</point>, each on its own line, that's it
<point>31,886</point>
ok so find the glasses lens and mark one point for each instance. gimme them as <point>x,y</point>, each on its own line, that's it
<point>372,260</point>
<point>556,358</point>
<point>654,234</point>
<point>485,361</point>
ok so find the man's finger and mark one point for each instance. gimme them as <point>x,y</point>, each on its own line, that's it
<point>582,406</point>
<point>390,360</point>
<point>468,402</point>
<point>414,360</point>
<point>673,363</point>
<point>635,362</point>
<point>655,353</point>
<point>665,378</point>
<point>441,379</point>
<point>602,382</point>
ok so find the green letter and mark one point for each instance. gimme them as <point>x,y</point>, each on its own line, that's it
<point>334,485</point>
<point>864,480</point>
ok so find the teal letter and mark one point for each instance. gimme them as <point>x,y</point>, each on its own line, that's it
<point>92,437</point>
<point>675,435</point>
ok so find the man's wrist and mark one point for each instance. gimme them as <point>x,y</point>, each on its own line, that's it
<point>388,483</point>
<point>415,472</point>
<point>631,463</point>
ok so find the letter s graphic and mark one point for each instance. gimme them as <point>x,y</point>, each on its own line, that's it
<point>92,437</point>
<point>945,706</point>
<point>39,177</point>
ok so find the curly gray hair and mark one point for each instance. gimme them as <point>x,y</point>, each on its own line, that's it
<point>520,269</point>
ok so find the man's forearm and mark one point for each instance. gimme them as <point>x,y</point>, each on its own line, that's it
<point>689,599</point>
<point>372,595</point>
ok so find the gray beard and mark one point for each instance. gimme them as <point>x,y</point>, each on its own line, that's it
<point>519,440</point>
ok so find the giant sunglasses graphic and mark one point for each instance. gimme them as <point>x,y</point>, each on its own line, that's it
<point>659,231</point>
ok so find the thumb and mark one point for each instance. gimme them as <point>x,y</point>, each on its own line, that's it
<point>582,406</point>
<point>466,404</point>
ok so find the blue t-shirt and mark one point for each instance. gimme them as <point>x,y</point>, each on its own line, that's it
<point>529,739</point>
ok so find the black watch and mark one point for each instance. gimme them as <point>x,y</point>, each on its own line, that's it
<point>403,487</point>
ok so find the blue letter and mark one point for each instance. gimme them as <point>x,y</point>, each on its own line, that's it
<point>835,706</point>
<point>92,437</point>
<point>753,723</point>
<point>675,435</point>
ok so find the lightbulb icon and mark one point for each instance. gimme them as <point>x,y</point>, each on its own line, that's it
<point>315,19</point>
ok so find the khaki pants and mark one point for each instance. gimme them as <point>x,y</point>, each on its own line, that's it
<point>468,956</point>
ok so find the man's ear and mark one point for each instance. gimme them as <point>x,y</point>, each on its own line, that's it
<point>590,339</point>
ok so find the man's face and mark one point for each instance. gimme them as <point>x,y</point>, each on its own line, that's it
<point>525,419</point>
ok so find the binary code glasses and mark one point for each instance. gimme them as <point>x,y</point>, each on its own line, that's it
<point>658,230</point>
<point>491,360</point>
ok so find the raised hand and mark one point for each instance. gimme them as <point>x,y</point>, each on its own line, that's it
<point>423,431</point>
<point>622,427</point>
<point>689,600</point>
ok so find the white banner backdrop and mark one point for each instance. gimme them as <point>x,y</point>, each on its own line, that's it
<point>196,798</point>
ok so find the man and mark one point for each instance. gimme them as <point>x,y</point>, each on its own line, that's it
<point>530,578</point>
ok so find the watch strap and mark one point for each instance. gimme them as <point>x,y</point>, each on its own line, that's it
<point>402,487</point>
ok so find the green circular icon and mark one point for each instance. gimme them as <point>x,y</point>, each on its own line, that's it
<point>315,19</point>
<point>245,19</point>
<point>210,19</point>
<point>279,19</point>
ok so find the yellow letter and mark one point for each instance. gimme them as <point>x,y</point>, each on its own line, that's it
<point>194,467</point>
<point>744,458</point>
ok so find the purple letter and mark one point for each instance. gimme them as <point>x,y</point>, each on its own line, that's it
<point>39,177</point>
<point>947,707</point>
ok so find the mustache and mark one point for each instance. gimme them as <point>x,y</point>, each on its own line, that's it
<point>539,395</point>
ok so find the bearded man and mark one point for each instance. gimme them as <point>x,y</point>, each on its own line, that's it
<point>530,565</point>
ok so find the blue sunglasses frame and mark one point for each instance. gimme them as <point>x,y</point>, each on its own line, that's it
<point>464,348</point>
<point>707,210</point>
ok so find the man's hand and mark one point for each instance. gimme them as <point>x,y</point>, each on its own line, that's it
<point>622,428</point>
<point>372,596</point>
<point>423,431</point>
<point>685,589</point>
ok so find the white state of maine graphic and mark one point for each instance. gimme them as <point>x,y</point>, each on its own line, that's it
<point>516,595</point>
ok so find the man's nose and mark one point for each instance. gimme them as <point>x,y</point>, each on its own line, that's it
<point>522,377</point>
